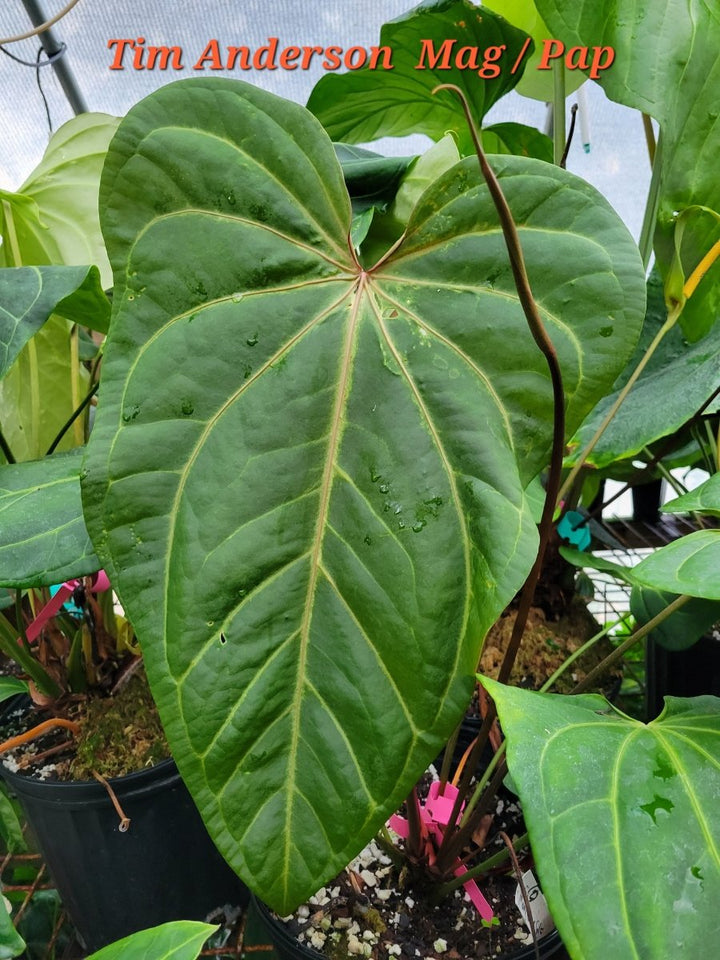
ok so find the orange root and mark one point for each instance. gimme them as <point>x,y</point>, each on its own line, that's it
<point>38,731</point>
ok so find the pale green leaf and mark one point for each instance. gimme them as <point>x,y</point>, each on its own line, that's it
<point>54,213</point>
<point>180,940</point>
<point>622,820</point>
<point>43,539</point>
<point>306,479</point>
<point>41,390</point>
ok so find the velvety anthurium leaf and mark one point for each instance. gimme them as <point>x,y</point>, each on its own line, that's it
<point>439,41</point>
<point>622,820</point>
<point>28,295</point>
<point>690,565</point>
<point>307,477</point>
<point>666,65</point>
<point>43,539</point>
<point>180,940</point>
<point>703,499</point>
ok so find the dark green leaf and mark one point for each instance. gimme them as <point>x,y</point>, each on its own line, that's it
<point>681,629</point>
<point>687,373</point>
<point>43,539</point>
<point>28,295</point>
<point>363,105</point>
<point>371,179</point>
<point>307,478</point>
<point>622,820</point>
<point>181,940</point>
<point>518,139</point>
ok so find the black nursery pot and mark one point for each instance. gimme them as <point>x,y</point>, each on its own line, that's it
<point>289,947</point>
<point>164,867</point>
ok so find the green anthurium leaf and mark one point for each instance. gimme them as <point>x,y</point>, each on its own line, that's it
<point>11,943</point>
<point>519,139</point>
<point>439,41</point>
<point>690,565</point>
<point>621,820</point>
<point>683,628</point>
<point>666,65</point>
<point>371,179</point>
<point>54,215</point>
<point>42,389</point>
<point>28,295</point>
<point>689,373</point>
<point>536,83</point>
<point>43,539</point>
<point>313,526</point>
<point>703,499</point>
<point>180,940</point>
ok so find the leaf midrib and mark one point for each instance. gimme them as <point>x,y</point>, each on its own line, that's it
<point>316,562</point>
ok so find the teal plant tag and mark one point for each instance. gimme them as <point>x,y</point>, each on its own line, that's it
<point>574,528</point>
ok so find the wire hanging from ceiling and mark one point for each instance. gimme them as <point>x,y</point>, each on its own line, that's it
<point>36,65</point>
<point>43,26</point>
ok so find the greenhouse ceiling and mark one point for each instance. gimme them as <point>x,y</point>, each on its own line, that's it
<point>102,65</point>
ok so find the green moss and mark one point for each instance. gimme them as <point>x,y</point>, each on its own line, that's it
<point>120,734</point>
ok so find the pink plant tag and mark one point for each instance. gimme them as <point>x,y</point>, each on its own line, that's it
<point>100,583</point>
<point>435,814</point>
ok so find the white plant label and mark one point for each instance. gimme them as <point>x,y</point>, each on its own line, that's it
<point>544,923</point>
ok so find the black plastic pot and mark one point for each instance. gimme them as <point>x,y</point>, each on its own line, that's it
<point>165,867</point>
<point>290,948</point>
<point>692,672</point>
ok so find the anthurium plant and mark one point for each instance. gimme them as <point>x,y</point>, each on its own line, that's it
<point>307,475</point>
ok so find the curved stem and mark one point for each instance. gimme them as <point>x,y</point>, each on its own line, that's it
<point>453,840</point>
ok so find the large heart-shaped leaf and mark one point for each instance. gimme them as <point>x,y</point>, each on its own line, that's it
<point>622,820</point>
<point>43,539</point>
<point>665,64</point>
<point>180,940</point>
<point>439,41</point>
<point>28,295</point>
<point>306,478</point>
